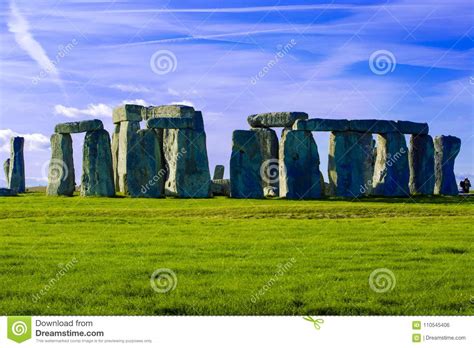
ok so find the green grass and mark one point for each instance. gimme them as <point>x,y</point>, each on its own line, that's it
<point>227,253</point>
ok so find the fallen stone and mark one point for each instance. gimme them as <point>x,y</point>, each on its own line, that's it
<point>170,123</point>
<point>127,138</point>
<point>276,119</point>
<point>6,169</point>
<point>421,161</point>
<point>61,180</point>
<point>218,172</point>
<point>446,150</point>
<point>127,112</point>
<point>350,161</point>
<point>6,192</point>
<point>16,175</point>
<point>245,165</point>
<point>115,155</point>
<point>391,172</point>
<point>188,165</point>
<point>373,126</point>
<point>299,166</point>
<point>408,127</point>
<point>270,191</point>
<point>78,127</point>
<point>269,170</point>
<point>220,187</point>
<point>146,172</point>
<point>322,125</point>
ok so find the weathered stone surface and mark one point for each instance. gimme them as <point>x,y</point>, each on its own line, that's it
<point>97,172</point>
<point>322,125</point>
<point>269,171</point>
<point>115,155</point>
<point>17,165</point>
<point>188,166</point>
<point>421,161</point>
<point>78,127</point>
<point>6,169</point>
<point>373,126</point>
<point>61,181</point>
<point>408,127</point>
<point>220,187</point>
<point>350,161</point>
<point>170,123</point>
<point>299,166</point>
<point>146,172</point>
<point>391,172</point>
<point>446,150</point>
<point>245,165</point>
<point>218,172</point>
<point>168,111</point>
<point>6,192</point>
<point>270,191</point>
<point>276,119</point>
<point>127,136</point>
<point>127,112</point>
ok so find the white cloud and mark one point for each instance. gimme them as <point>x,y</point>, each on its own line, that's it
<point>183,102</point>
<point>95,110</point>
<point>136,102</point>
<point>131,88</point>
<point>33,142</point>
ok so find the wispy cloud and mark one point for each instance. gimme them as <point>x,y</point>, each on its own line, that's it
<point>131,88</point>
<point>33,142</point>
<point>95,110</point>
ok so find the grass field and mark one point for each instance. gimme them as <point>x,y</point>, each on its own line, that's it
<point>239,257</point>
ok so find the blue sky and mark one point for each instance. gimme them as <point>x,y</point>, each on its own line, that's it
<point>71,60</point>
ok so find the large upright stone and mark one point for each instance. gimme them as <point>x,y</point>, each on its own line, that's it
<point>421,160</point>
<point>299,166</point>
<point>188,166</point>
<point>79,127</point>
<point>218,172</point>
<point>127,112</point>
<point>17,165</point>
<point>245,165</point>
<point>170,123</point>
<point>391,172</point>
<point>97,172</point>
<point>127,137</point>
<point>146,173</point>
<point>269,171</point>
<point>350,161</point>
<point>446,150</point>
<point>115,155</point>
<point>61,181</point>
<point>6,169</point>
<point>276,119</point>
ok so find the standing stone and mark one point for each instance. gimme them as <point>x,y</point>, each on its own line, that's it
<point>245,164</point>
<point>446,150</point>
<point>269,171</point>
<point>220,187</point>
<point>6,169</point>
<point>127,137</point>
<point>391,172</point>
<point>17,165</point>
<point>350,164</point>
<point>188,166</point>
<point>299,166</point>
<point>146,171</point>
<point>97,172</point>
<point>115,155</point>
<point>218,172</point>
<point>421,161</point>
<point>61,181</point>
<point>127,112</point>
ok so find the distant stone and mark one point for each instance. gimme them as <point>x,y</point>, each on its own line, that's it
<point>170,123</point>
<point>78,127</point>
<point>146,172</point>
<point>276,119</point>
<point>299,166</point>
<point>421,161</point>
<point>16,175</point>
<point>6,192</point>
<point>322,125</point>
<point>373,126</point>
<point>115,155</point>
<point>6,169</point>
<point>127,139</point>
<point>350,168</point>
<point>408,127</point>
<point>168,111</point>
<point>270,191</point>
<point>245,165</point>
<point>188,165</point>
<point>61,181</point>
<point>220,187</point>
<point>391,172</point>
<point>218,172</point>
<point>269,171</point>
<point>127,112</point>
<point>97,172</point>
<point>446,150</point>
